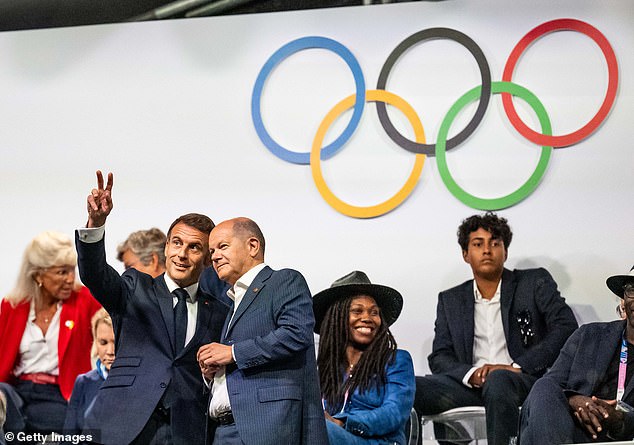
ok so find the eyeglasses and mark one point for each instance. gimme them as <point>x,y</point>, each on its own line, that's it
<point>628,291</point>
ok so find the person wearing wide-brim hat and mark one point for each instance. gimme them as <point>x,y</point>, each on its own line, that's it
<point>582,398</point>
<point>367,384</point>
<point>621,284</point>
<point>618,284</point>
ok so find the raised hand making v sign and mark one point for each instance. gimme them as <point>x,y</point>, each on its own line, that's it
<point>100,202</point>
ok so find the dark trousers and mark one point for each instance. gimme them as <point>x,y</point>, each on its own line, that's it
<point>502,395</point>
<point>157,430</point>
<point>34,407</point>
<point>546,418</point>
<point>227,435</point>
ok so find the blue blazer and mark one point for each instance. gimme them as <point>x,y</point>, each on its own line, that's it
<point>84,392</point>
<point>273,386</point>
<point>380,415</point>
<point>146,369</point>
<point>530,291</point>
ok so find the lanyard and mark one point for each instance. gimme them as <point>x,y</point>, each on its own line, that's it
<point>620,388</point>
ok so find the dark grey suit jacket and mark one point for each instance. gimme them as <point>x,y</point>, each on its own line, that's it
<point>530,291</point>
<point>146,369</point>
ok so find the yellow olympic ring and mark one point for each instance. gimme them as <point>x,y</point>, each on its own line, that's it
<point>403,193</point>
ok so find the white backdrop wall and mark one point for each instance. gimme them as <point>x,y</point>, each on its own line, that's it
<point>166,107</point>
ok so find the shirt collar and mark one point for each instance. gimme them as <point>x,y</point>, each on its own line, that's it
<point>191,289</point>
<point>245,280</point>
<point>32,309</point>
<point>101,369</point>
<point>478,296</point>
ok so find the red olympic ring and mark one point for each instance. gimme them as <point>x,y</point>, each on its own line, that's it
<point>613,81</point>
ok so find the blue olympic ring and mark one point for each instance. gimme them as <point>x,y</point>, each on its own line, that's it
<point>279,55</point>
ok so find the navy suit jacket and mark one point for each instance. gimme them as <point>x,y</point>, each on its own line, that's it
<point>211,284</point>
<point>84,392</point>
<point>146,369</point>
<point>273,386</point>
<point>584,361</point>
<point>530,291</point>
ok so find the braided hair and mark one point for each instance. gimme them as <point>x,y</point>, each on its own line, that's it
<point>334,337</point>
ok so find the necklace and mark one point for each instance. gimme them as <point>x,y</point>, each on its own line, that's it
<point>350,369</point>
<point>47,314</point>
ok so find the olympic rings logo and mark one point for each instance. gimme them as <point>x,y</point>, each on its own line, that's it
<point>506,87</point>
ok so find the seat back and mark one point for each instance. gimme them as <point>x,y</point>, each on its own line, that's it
<point>412,429</point>
<point>459,425</point>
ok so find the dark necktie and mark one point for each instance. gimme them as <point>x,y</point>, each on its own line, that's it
<point>180,318</point>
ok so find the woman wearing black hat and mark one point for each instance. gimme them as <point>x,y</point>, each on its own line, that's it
<point>367,384</point>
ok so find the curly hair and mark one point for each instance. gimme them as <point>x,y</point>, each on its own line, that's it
<point>491,222</point>
<point>332,361</point>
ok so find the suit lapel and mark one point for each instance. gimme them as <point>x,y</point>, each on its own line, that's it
<point>227,320</point>
<point>256,287</point>
<point>466,321</point>
<point>166,305</point>
<point>507,294</point>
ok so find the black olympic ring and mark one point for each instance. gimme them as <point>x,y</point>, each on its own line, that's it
<point>428,34</point>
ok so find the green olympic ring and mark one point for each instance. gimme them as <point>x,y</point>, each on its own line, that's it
<point>525,189</point>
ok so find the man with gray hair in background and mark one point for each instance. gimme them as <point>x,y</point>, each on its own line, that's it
<point>145,251</point>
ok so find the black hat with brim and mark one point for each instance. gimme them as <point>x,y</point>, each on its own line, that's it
<point>617,282</point>
<point>389,300</point>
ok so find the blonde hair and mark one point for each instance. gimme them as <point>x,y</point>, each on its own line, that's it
<point>48,249</point>
<point>101,316</point>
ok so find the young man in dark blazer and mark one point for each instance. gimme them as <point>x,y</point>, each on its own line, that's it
<point>495,335</point>
<point>153,392</point>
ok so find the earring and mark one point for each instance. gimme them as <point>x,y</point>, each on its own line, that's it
<point>39,284</point>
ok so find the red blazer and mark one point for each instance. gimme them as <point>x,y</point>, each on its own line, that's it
<point>73,346</point>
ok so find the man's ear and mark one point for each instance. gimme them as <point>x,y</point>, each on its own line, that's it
<point>253,244</point>
<point>464,256</point>
<point>154,262</point>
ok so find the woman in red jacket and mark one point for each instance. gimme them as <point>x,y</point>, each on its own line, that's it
<point>45,335</point>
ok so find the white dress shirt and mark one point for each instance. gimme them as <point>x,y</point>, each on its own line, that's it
<point>38,352</point>
<point>192,307</point>
<point>219,394</point>
<point>489,341</point>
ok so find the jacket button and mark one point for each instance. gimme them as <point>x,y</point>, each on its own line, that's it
<point>163,385</point>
